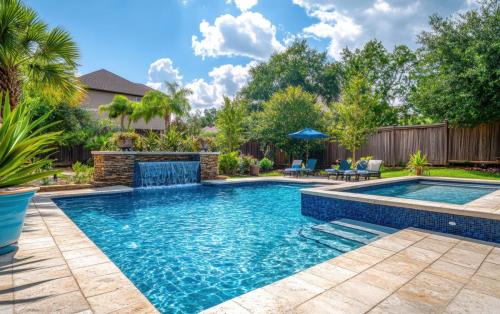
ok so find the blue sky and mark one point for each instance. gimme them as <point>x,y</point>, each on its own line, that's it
<point>209,45</point>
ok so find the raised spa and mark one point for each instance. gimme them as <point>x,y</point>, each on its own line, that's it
<point>430,190</point>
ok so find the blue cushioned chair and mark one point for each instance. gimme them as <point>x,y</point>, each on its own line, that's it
<point>344,166</point>
<point>296,167</point>
<point>310,167</point>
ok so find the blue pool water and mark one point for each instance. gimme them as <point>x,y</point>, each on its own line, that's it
<point>427,190</point>
<point>190,248</point>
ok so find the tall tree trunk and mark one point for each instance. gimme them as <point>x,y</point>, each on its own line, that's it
<point>354,155</point>
<point>166,119</point>
<point>122,122</point>
<point>10,83</point>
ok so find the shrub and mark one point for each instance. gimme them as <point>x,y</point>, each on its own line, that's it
<point>366,158</point>
<point>148,142</point>
<point>126,136</point>
<point>228,163</point>
<point>245,162</point>
<point>83,173</point>
<point>266,164</point>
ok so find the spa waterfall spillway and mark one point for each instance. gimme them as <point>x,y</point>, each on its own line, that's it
<point>166,173</point>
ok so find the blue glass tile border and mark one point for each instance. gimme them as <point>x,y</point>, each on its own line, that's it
<point>326,208</point>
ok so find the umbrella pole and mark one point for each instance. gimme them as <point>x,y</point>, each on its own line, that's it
<point>307,151</point>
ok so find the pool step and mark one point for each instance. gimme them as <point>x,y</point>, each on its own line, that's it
<point>345,232</point>
<point>344,235</point>
<point>365,226</point>
<point>337,243</point>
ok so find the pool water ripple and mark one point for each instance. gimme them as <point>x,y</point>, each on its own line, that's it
<point>191,248</point>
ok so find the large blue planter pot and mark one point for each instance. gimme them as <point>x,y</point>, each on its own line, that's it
<point>13,205</point>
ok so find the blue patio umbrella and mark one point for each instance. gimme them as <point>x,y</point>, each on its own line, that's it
<point>307,134</point>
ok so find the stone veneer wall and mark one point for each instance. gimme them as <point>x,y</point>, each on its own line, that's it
<point>117,168</point>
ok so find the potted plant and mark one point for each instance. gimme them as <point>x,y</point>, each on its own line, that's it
<point>126,140</point>
<point>418,163</point>
<point>254,167</point>
<point>21,141</point>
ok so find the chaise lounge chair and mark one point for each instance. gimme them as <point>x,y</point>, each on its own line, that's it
<point>343,167</point>
<point>372,170</point>
<point>360,167</point>
<point>310,167</point>
<point>295,169</point>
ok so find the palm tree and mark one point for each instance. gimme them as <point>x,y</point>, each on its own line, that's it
<point>32,55</point>
<point>121,107</point>
<point>158,104</point>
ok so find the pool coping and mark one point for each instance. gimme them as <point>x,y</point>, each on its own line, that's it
<point>487,206</point>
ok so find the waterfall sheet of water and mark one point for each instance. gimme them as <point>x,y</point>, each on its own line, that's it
<point>166,173</point>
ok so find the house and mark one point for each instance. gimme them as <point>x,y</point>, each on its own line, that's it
<point>102,86</point>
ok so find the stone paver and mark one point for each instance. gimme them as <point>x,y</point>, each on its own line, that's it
<point>57,269</point>
<point>411,271</point>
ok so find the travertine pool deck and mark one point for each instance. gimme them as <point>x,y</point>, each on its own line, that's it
<point>411,271</point>
<point>59,270</point>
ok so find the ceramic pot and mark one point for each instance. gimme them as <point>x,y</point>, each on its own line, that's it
<point>13,205</point>
<point>254,170</point>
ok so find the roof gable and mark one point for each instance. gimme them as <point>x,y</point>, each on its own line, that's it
<point>106,81</point>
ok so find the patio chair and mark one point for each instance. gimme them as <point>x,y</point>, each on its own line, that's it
<point>360,166</point>
<point>296,167</point>
<point>343,167</point>
<point>372,170</point>
<point>310,167</point>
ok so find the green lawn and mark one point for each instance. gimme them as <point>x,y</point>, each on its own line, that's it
<point>444,172</point>
<point>399,172</point>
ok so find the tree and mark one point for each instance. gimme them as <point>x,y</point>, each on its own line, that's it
<point>121,107</point>
<point>34,56</point>
<point>75,123</point>
<point>288,111</point>
<point>229,123</point>
<point>354,116</point>
<point>457,77</point>
<point>298,65</point>
<point>387,72</point>
<point>208,118</point>
<point>158,104</point>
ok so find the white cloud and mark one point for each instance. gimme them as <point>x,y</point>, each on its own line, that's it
<point>339,28</point>
<point>381,7</point>
<point>312,5</point>
<point>243,5</point>
<point>393,22</point>
<point>249,34</point>
<point>225,80</point>
<point>161,71</point>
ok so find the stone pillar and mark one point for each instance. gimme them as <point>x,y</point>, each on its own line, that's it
<point>113,169</point>
<point>209,164</point>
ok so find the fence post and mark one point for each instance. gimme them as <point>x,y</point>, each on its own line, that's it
<point>446,142</point>
<point>393,145</point>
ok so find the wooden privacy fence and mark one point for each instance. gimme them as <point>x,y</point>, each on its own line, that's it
<point>442,145</point>
<point>394,145</point>
<point>66,156</point>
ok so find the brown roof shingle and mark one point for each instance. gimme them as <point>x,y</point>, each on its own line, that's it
<point>106,81</point>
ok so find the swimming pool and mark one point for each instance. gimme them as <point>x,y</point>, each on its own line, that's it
<point>190,248</point>
<point>430,190</point>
